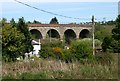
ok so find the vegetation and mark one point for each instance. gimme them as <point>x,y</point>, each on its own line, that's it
<point>22,27</point>
<point>54,21</point>
<point>102,31</point>
<point>55,61</point>
<point>116,33</point>
<point>52,69</point>
<point>79,50</point>
<point>16,39</point>
<point>12,45</point>
<point>113,41</point>
<point>34,22</point>
<point>49,49</point>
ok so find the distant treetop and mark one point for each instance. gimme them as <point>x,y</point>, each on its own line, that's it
<point>54,21</point>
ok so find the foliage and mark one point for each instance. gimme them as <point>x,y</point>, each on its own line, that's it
<point>53,44</point>
<point>12,43</point>
<point>67,56</point>
<point>115,46</point>
<point>12,23</point>
<point>22,27</point>
<point>3,21</point>
<point>54,21</point>
<point>116,30</point>
<point>16,39</point>
<point>57,52</point>
<point>44,69</point>
<point>110,22</point>
<point>102,31</point>
<point>81,49</point>
<point>116,36</point>
<point>113,43</point>
<point>48,50</point>
<point>106,43</point>
<point>36,22</point>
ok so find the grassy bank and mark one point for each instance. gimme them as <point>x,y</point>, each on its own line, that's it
<point>52,69</point>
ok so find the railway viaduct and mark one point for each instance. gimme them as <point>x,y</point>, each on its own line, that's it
<point>77,31</point>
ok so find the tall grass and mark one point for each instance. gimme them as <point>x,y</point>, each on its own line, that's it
<point>52,69</point>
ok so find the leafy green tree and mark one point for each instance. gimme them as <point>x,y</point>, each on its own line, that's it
<point>115,46</point>
<point>54,21</point>
<point>116,30</point>
<point>113,43</point>
<point>16,39</point>
<point>22,27</point>
<point>106,43</point>
<point>3,21</point>
<point>12,43</point>
<point>12,22</point>
<point>36,22</point>
<point>116,33</point>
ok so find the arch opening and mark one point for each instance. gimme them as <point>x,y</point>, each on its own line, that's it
<point>53,33</point>
<point>36,34</point>
<point>84,34</point>
<point>69,35</point>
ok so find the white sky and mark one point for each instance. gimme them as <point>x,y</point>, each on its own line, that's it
<point>12,10</point>
<point>61,0</point>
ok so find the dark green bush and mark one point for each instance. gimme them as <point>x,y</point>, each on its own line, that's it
<point>46,52</point>
<point>82,49</point>
<point>67,56</point>
<point>47,49</point>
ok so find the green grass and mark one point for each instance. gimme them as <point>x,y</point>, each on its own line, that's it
<point>52,69</point>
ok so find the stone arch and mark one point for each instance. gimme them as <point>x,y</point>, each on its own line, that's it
<point>37,34</point>
<point>69,35</point>
<point>85,33</point>
<point>53,33</point>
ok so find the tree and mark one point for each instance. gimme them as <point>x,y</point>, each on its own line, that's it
<point>54,21</point>
<point>116,33</point>
<point>3,22</point>
<point>106,43</point>
<point>12,22</point>
<point>36,22</point>
<point>113,43</point>
<point>22,27</point>
<point>12,43</point>
<point>16,39</point>
<point>116,30</point>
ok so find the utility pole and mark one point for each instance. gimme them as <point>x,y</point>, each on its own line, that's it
<point>93,41</point>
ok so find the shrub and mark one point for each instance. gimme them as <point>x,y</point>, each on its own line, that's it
<point>51,50</point>
<point>57,52</point>
<point>46,52</point>
<point>81,50</point>
<point>67,56</point>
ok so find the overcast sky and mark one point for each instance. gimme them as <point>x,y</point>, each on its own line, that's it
<point>78,9</point>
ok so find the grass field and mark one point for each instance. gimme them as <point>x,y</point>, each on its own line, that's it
<point>52,69</point>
